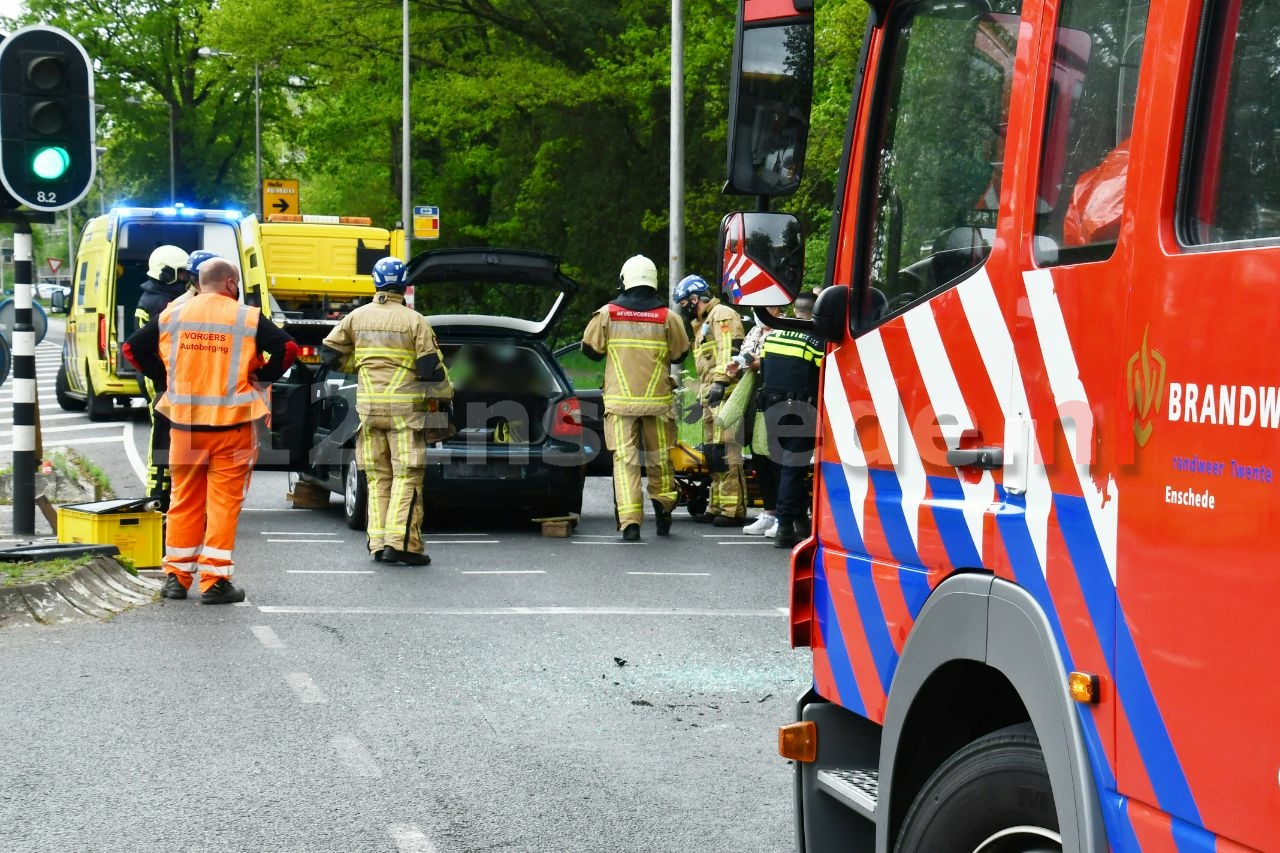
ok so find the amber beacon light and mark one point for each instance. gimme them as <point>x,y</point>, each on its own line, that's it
<point>799,741</point>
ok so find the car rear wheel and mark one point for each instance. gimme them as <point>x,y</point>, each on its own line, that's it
<point>99,407</point>
<point>355,497</point>
<point>992,796</point>
<point>60,390</point>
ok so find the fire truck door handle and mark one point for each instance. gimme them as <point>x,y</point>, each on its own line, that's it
<point>983,458</point>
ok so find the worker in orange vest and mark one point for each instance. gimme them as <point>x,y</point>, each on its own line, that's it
<point>210,358</point>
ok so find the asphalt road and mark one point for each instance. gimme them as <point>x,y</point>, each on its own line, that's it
<point>520,694</point>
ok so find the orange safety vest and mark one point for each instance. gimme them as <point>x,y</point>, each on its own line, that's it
<point>209,348</point>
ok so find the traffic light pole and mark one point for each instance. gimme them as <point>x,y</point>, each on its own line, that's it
<point>24,385</point>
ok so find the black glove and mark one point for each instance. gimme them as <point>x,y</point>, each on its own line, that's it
<point>716,395</point>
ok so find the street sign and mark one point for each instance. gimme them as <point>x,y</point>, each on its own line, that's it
<point>280,197</point>
<point>55,264</point>
<point>426,223</point>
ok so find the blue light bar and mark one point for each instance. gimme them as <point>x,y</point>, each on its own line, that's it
<point>168,211</point>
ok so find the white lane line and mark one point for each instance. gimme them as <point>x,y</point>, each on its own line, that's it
<point>513,611</point>
<point>67,441</point>
<point>316,541</point>
<point>434,533</point>
<point>507,572</point>
<point>674,574</point>
<point>245,603</point>
<point>135,461</point>
<point>267,637</point>
<point>409,839</point>
<point>783,610</point>
<point>75,428</point>
<point>294,533</point>
<point>754,542</point>
<point>356,757</point>
<point>305,689</point>
<point>8,422</point>
<point>460,542</point>
<point>329,572</point>
<point>611,543</point>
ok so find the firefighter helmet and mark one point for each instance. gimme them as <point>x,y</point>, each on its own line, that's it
<point>198,257</point>
<point>692,285</point>
<point>638,271</point>
<point>165,263</point>
<point>389,273</point>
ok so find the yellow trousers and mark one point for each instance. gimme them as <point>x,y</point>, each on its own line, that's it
<point>394,460</point>
<point>628,436</point>
<point>728,488</point>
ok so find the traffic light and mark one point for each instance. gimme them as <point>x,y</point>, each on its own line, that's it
<point>47,154</point>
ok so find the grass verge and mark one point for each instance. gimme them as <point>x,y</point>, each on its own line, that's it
<point>20,574</point>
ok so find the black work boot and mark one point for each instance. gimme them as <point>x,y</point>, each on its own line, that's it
<point>786,535</point>
<point>173,588</point>
<point>377,555</point>
<point>802,528</point>
<point>631,533</point>
<point>662,518</point>
<point>409,558</point>
<point>222,592</point>
<point>729,521</point>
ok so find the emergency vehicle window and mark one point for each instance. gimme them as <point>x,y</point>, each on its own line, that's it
<point>84,277</point>
<point>1085,159</point>
<point>1232,190</point>
<point>944,103</point>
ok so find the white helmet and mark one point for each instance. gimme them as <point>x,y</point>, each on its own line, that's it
<point>165,263</point>
<point>638,271</point>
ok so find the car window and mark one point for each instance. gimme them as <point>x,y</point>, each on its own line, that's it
<point>583,373</point>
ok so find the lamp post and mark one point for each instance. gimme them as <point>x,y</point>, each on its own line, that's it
<point>404,128</point>
<point>257,119</point>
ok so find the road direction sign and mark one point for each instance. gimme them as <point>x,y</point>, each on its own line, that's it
<point>55,264</point>
<point>280,196</point>
<point>426,223</point>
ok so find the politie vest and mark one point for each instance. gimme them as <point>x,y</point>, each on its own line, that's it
<point>636,376</point>
<point>209,348</point>
<point>789,364</point>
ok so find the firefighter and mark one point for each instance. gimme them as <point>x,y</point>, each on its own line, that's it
<point>209,358</point>
<point>167,277</point>
<point>402,398</point>
<point>639,339</point>
<point>718,335</point>
<point>789,363</point>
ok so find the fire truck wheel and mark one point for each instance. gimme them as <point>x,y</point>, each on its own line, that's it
<point>100,408</point>
<point>355,497</point>
<point>60,390</point>
<point>992,796</point>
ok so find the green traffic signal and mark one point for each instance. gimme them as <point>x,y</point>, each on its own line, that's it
<point>50,163</point>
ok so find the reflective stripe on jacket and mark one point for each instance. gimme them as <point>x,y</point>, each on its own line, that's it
<point>210,350</point>
<point>385,339</point>
<point>789,363</point>
<point>721,328</point>
<point>638,347</point>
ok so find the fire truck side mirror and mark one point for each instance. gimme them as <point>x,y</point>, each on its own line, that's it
<point>831,313</point>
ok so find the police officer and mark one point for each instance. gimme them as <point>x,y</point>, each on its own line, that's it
<point>638,338</point>
<point>718,335</point>
<point>167,277</point>
<point>402,399</point>
<point>789,363</point>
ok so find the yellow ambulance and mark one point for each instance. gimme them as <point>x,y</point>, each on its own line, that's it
<point>111,266</point>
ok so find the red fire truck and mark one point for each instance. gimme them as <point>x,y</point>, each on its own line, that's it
<point>1039,596</point>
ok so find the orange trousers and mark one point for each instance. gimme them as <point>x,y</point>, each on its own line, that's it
<point>211,471</point>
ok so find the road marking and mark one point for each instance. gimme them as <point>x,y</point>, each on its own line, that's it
<point>132,452</point>
<point>754,542</point>
<point>783,610</point>
<point>330,572</point>
<point>409,839</point>
<point>675,574</point>
<point>268,509</point>
<point>62,417</point>
<point>75,428</point>
<point>611,543</point>
<point>294,533</point>
<point>357,758</point>
<point>507,572</point>
<point>314,541</point>
<point>515,611</point>
<point>267,637</point>
<point>305,689</point>
<point>460,542</point>
<point>433,533</point>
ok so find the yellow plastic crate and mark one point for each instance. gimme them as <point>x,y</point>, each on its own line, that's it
<point>128,524</point>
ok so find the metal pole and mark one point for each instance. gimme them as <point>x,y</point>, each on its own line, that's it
<point>675,263</point>
<point>257,137</point>
<point>24,386</point>
<point>71,248</point>
<point>172,168</point>
<point>407,223</point>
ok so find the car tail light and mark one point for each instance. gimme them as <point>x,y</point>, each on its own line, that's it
<point>102,336</point>
<point>567,420</point>
<point>309,355</point>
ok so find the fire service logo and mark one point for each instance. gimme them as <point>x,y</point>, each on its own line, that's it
<point>1145,373</point>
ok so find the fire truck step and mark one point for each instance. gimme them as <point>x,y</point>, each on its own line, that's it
<point>857,789</point>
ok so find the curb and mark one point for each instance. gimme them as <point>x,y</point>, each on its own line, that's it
<point>100,589</point>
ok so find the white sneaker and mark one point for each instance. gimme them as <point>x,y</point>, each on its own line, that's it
<point>761,526</point>
<point>773,528</point>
